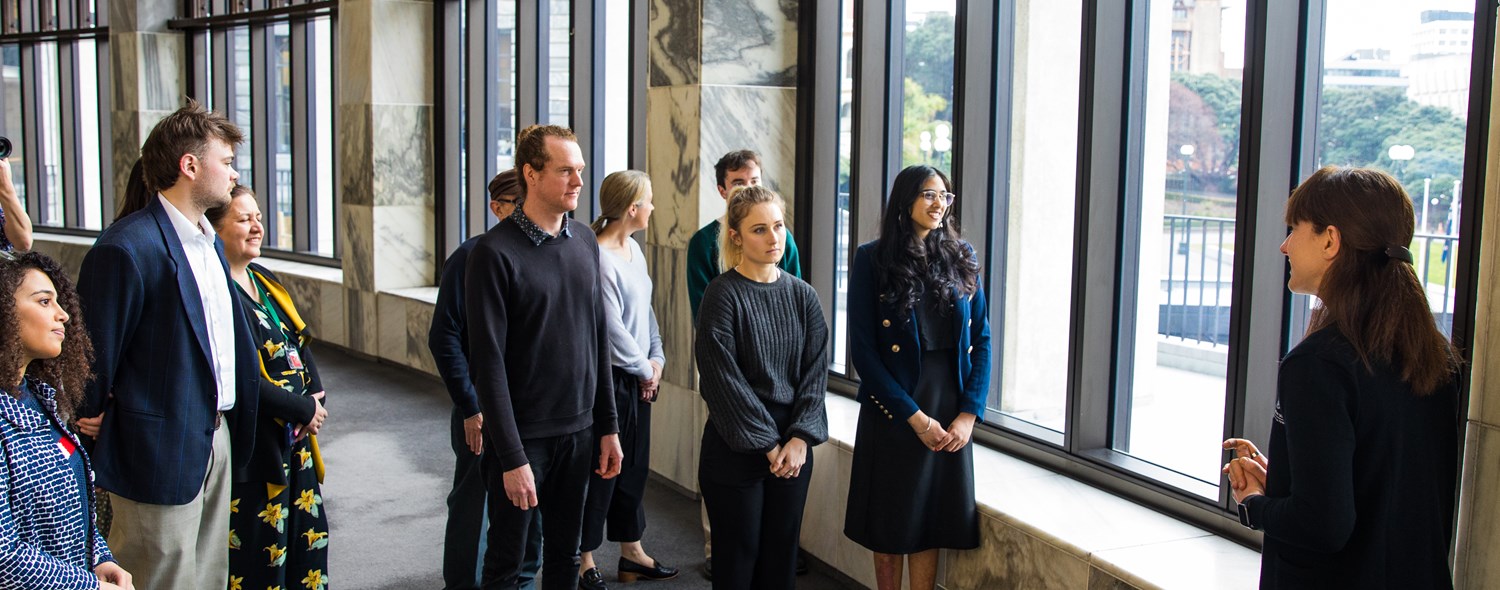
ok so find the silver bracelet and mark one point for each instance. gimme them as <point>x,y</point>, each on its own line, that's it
<point>929,426</point>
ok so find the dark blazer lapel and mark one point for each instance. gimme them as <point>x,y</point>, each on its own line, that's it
<point>187,285</point>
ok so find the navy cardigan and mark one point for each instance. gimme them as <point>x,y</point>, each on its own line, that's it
<point>887,349</point>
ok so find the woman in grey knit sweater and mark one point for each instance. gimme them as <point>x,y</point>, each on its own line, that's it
<point>762,351</point>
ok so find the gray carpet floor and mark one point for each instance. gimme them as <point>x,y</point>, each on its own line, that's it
<point>389,469</point>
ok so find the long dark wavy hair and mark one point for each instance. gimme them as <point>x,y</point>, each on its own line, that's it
<point>1374,300</point>
<point>70,370</point>
<point>942,264</point>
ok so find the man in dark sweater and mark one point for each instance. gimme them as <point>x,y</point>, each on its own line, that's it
<point>448,339</point>
<point>539,359</point>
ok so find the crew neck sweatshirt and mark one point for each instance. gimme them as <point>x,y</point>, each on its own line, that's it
<point>538,342</point>
<point>760,345</point>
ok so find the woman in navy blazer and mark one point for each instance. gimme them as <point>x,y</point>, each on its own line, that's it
<point>920,340</point>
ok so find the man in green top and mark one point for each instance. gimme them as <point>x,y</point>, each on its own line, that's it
<point>735,170</point>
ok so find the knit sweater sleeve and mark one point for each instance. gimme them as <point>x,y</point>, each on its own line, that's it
<point>810,422</point>
<point>484,305</point>
<point>624,351</point>
<point>733,408</point>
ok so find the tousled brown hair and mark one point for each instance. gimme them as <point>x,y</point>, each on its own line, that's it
<point>186,131</point>
<point>1373,299</point>
<point>70,370</point>
<point>733,161</point>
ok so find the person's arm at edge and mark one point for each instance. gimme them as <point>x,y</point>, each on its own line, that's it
<point>977,389</point>
<point>444,336</point>
<point>863,310</point>
<point>17,222</point>
<point>606,421</point>
<point>1319,515</point>
<point>810,422</point>
<point>700,269</point>
<point>111,292</point>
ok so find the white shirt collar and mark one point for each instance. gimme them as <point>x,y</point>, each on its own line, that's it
<point>185,229</point>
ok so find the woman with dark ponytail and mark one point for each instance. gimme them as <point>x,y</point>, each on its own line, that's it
<point>920,339</point>
<point>1366,434</point>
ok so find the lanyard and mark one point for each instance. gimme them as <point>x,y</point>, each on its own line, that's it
<point>269,306</point>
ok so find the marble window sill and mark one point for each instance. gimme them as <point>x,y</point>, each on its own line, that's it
<point>1140,546</point>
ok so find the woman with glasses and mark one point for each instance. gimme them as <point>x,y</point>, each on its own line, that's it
<point>1358,489</point>
<point>920,339</point>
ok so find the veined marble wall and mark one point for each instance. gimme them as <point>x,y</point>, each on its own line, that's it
<point>148,67</point>
<point>722,78</point>
<point>1477,561</point>
<point>385,165</point>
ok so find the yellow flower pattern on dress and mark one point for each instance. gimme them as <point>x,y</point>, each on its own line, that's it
<point>309,502</point>
<point>315,580</point>
<point>234,506</point>
<point>234,540</point>
<point>235,583</point>
<point>315,539</point>
<point>274,515</point>
<point>304,459</point>
<point>278,555</point>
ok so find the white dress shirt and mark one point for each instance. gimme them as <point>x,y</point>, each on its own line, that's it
<point>213,287</point>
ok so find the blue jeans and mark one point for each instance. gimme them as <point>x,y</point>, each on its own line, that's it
<point>463,539</point>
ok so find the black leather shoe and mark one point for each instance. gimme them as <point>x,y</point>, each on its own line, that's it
<point>708,569</point>
<point>631,571</point>
<point>591,580</point>
<point>801,562</point>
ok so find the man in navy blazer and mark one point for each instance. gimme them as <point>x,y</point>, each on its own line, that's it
<point>175,367</point>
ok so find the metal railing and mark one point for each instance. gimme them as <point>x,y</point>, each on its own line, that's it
<point>1198,278</point>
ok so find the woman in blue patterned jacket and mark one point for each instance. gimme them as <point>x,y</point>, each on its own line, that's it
<point>47,534</point>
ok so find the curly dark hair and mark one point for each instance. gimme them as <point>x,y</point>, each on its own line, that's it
<point>70,370</point>
<point>905,266</point>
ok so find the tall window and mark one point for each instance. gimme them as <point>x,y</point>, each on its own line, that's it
<point>1174,339</point>
<point>270,70</point>
<point>504,65</point>
<point>1396,97</point>
<point>56,111</point>
<point>1121,171</point>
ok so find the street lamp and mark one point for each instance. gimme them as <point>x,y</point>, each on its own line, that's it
<point>942,140</point>
<point>1186,150</point>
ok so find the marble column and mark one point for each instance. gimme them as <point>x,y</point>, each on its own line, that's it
<point>148,70</point>
<point>385,109</point>
<point>722,77</point>
<point>1477,557</point>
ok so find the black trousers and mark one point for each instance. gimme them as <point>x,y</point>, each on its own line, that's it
<point>560,467</point>
<point>463,536</point>
<point>757,516</point>
<point>618,502</point>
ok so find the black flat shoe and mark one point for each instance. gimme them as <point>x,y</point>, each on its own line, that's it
<point>708,569</point>
<point>631,571</point>
<point>591,580</point>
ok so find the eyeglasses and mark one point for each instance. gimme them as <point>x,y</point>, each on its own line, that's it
<point>506,201</point>
<point>931,195</point>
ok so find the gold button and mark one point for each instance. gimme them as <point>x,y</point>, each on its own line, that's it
<point>971,350</point>
<point>895,348</point>
<point>886,323</point>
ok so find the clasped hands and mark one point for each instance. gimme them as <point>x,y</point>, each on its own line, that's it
<point>787,460</point>
<point>937,438</point>
<point>1246,471</point>
<point>649,387</point>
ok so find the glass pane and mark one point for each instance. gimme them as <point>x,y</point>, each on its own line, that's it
<point>90,160</point>
<point>1174,348</point>
<point>322,157</point>
<point>10,69</point>
<point>1395,97</point>
<point>1038,232</point>
<point>503,104</point>
<point>280,112</point>
<point>50,141</point>
<point>558,46</point>
<point>616,140</point>
<point>239,56</point>
<point>927,94</point>
<point>841,246</point>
